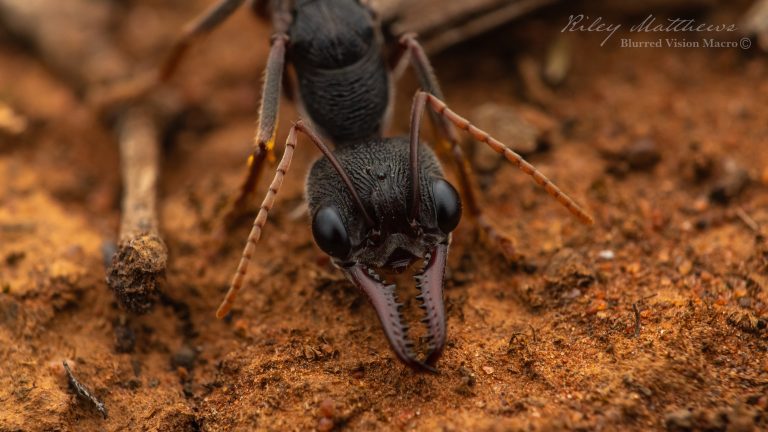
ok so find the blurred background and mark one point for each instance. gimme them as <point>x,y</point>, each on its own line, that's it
<point>652,319</point>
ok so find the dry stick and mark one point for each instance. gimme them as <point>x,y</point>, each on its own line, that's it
<point>747,219</point>
<point>442,23</point>
<point>755,22</point>
<point>81,51</point>
<point>637,319</point>
<point>141,256</point>
<point>83,392</point>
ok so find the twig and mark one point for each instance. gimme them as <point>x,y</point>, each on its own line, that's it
<point>83,392</point>
<point>748,221</point>
<point>71,36</point>
<point>442,23</point>
<point>85,54</point>
<point>637,319</point>
<point>755,22</point>
<point>533,331</point>
<point>141,255</point>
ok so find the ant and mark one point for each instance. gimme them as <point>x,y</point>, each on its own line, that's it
<point>375,202</point>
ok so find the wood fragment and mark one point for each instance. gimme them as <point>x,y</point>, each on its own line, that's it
<point>558,61</point>
<point>441,24</point>
<point>72,36</point>
<point>83,392</point>
<point>747,219</point>
<point>755,23</point>
<point>139,263</point>
<point>80,48</point>
<point>533,333</point>
<point>11,122</point>
<point>731,183</point>
<point>536,91</point>
<point>637,319</point>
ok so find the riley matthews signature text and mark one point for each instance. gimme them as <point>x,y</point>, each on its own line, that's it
<point>583,23</point>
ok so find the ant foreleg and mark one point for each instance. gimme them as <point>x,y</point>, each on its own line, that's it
<point>258,224</point>
<point>269,201</point>
<point>480,135</point>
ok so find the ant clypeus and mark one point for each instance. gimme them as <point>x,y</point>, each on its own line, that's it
<point>395,206</point>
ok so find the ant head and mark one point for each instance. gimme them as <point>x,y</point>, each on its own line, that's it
<point>396,235</point>
<point>377,221</point>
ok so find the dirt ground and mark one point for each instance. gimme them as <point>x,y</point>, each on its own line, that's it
<point>653,318</point>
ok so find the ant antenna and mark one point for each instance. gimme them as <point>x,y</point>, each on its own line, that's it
<point>442,109</point>
<point>269,201</point>
<point>339,169</point>
<point>416,111</point>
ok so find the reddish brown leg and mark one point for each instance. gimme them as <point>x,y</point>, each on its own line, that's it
<point>447,142</point>
<point>267,129</point>
<point>204,24</point>
<point>258,224</point>
<point>264,140</point>
<point>269,200</point>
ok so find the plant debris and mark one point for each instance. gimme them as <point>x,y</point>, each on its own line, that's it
<point>82,391</point>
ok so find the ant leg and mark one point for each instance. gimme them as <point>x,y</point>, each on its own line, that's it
<point>204,24</point>
<point>398,61</point>
<point>258,224</point>
<point>448,144</point>
<point>480,135</point>
<point>140,85</point>
<point>267,127</point>
<point>269,201</point>
<point>270,103</point>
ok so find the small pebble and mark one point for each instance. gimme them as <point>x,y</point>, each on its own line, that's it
<point>182,372</point>
<point>685,268</point>
<point>680,420</point>
<point>642,154</point>
<point>184,357</point>
<point>241,327</point>
<point>733,181</point>
<point>125,338</point>
<point>606,255</point>
<point>572,294</point>
<point>488,370</point>
<point>745,302</point>
<point>325,425</point>
<point>327,408</point>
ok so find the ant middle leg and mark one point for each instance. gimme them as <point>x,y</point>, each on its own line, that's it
<point>448,144</point>
<point>264,140</point>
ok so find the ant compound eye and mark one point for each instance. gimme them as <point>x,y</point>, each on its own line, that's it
<point>329,232</point>
<point>447,205</point>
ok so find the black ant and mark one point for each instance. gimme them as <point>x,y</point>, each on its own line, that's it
<point>376,202</point>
